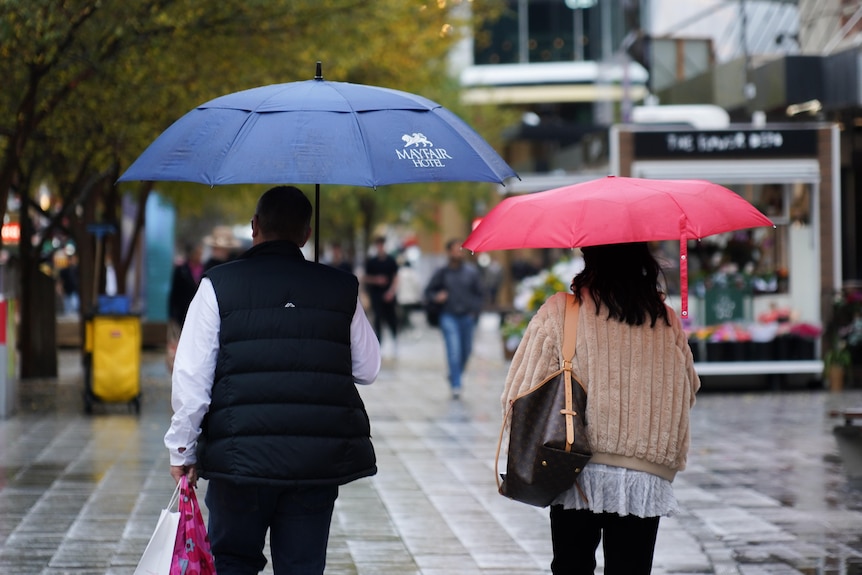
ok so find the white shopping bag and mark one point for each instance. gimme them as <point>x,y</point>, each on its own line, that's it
<point>156,559</point>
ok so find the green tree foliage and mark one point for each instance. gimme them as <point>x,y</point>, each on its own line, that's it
<point>95,81</point>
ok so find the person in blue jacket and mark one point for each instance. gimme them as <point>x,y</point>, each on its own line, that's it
<point>457,287</point>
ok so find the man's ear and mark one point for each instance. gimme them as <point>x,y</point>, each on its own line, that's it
<point>307,235</point>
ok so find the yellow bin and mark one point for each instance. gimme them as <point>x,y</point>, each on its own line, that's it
<point>114,345</point>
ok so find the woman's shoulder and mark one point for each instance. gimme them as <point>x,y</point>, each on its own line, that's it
<point>553,310</point>
<point>555,303</point>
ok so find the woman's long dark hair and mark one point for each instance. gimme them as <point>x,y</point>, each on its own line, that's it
<point>624,279</point>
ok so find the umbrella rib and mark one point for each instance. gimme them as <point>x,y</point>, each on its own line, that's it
<point>354,114</point>
<point>253,113</point>
<point>219,164</point>
<point>471,136</point>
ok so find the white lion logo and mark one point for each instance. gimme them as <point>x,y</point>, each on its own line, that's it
<point>415,139</point>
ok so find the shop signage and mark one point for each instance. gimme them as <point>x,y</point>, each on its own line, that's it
<point>11,233</point>
<point>748,143</point>
<point>724,305</point>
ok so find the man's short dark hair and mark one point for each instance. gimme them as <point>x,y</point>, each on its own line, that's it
<point>284,213</point>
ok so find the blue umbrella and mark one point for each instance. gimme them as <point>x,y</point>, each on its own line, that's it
<point>319,132</point>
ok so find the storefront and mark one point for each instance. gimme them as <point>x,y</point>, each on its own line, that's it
<point>763,286</point>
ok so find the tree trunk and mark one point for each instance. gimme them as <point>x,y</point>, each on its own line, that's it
<point>132,253</point>
<point>38,321</point>
<point>87,264</point>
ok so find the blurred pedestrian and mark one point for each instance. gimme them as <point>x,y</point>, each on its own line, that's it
<point>70,285</point>
<point>408,295</point>
<point>381,283</point>
<point>338,259</point>
<point>222,244</point>
<point>264,396</point>
<point>184,283</point>
<point>632,356</point>
<point>457,286</point>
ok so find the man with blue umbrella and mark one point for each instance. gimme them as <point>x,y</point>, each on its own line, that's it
<point>264,394</point>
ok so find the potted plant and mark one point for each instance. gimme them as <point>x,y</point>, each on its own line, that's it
<point>844,331</point>
<point>836,362</point>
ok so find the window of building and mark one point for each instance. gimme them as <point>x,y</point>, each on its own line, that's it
<point>756,261</point>
<point>554,32</point>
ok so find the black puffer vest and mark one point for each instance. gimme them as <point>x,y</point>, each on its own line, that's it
<point>285,409</point>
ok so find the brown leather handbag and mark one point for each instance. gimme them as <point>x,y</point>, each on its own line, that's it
<point>548,446</point>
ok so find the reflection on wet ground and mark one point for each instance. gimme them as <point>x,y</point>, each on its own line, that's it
<point>766,491</point>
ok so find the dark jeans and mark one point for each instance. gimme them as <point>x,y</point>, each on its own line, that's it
<point>298,520</point>
<point>628,542</point>
<point>458,337</point>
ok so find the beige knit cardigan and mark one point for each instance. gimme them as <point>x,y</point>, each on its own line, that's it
<point>640,383</point>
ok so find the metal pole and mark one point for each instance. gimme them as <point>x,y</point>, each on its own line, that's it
<point>748,89</point>
<point>607,30</point>
<point>523,32</point>
<point>578,26</point>
<point>317,76</point>
<point>316,222</point>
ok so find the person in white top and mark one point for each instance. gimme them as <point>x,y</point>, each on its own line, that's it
<point>263,389</point>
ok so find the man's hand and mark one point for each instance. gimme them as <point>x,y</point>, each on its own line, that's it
<point>177,472</point>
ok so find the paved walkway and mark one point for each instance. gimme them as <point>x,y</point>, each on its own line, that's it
<point>765,493</point>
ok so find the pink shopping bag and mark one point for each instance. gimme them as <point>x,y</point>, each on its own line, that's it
<point>192,554</point>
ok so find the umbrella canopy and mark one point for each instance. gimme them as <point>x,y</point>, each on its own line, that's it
<point>615,210</point>
<point>319,132</point>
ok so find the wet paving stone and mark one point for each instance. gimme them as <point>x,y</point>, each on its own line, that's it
<point>765,492</point>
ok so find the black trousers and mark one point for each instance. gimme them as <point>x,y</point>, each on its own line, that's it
<point>298,520</point>
<point>385,312</point>
<point>628,542</point>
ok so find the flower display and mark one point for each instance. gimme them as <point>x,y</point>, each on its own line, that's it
<point>846,322</point>
<point>776,334</point>
<point>805,330</point>
<point>531,293</point>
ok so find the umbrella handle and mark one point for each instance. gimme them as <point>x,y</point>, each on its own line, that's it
<point>683,276</point>
<point>683,268</point>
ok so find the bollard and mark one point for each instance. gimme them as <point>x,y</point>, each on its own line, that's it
<point>8,388</point>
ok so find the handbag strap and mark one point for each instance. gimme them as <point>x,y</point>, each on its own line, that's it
<point>570,338</point>
<point>570,328</point>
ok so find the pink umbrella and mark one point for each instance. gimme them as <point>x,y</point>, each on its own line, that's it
<point>614,210</point>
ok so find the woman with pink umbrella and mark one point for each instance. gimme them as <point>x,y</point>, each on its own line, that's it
<point>632,356</point>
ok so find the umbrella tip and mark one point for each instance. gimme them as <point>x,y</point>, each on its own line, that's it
<point>319,73</point>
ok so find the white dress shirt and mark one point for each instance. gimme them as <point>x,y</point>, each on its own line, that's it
<point>194,368</point>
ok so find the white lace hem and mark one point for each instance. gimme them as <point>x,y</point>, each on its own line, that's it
<point>623,491</point>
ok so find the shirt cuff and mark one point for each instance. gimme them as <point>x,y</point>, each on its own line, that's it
<point>188,457</point>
